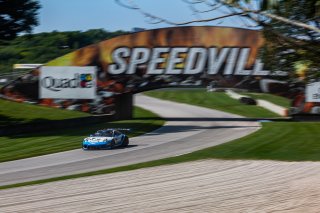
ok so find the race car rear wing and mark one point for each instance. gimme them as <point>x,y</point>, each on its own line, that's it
<point>120,129</point>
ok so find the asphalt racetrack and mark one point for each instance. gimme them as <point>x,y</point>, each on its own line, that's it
<point>188,128</point>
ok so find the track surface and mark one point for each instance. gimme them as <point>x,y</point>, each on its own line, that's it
<point>201,186</point>
<point>189,128</point>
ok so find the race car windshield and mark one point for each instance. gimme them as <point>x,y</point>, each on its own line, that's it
<point>103,134</point>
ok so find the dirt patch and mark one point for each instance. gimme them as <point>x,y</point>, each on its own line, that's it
<point>201,186</point>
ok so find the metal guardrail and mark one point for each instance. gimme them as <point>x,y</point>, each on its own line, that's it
<point>6,78</point>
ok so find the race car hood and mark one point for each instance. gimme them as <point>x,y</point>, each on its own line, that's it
<point>98,139</point>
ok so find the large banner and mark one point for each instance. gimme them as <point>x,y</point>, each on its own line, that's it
<point>313,92</point>
<point>67,82</point>
<point>179,56</point>
<point>219,57</point>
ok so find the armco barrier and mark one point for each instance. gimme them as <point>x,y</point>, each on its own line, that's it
<point>50,125</point>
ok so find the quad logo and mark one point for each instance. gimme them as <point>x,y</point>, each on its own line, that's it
<point>83,80</point>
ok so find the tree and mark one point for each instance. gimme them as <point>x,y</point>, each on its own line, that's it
<point>17,16</point>
<point>291,28</point>
<point>292,48</point>
<point>261,11</point>
<point>43,47</point>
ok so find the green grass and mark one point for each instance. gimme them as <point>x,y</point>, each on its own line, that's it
<point>286,141</point>
<point>17,113</point>
<point>213,100</point>
<point>278,100</point>
<point>30,145</point>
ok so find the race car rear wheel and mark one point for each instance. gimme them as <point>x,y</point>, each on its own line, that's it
<point>125,142</point>
<point>112,144</point>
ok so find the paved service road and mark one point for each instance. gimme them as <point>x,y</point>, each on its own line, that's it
<point>188,128</point>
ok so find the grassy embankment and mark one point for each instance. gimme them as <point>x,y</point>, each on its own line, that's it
<point>287,141</point>
<point>278,100</point>
<point>19,113</point>
<point>213,100</point>
<point>35,144</point>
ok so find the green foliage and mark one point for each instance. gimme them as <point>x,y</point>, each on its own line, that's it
<point>287,45</point>
<point>43,47</point>
<point>269,4</point>
<point>17,16</point>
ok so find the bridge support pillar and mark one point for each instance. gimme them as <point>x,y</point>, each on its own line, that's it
<point>124,107</point>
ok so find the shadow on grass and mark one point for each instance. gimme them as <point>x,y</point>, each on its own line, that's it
<point>86,130</point>
<point>139,124</point>
<point>220,119</point>
<point>6,120</point>
<point>176,129</point>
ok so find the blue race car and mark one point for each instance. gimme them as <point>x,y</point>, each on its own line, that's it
<point>106,139</point>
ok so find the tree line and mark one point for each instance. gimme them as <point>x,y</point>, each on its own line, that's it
<point>43,47</point>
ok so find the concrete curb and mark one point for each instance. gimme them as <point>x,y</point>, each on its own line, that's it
<point>272,107</point>
<point>262,103</point>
